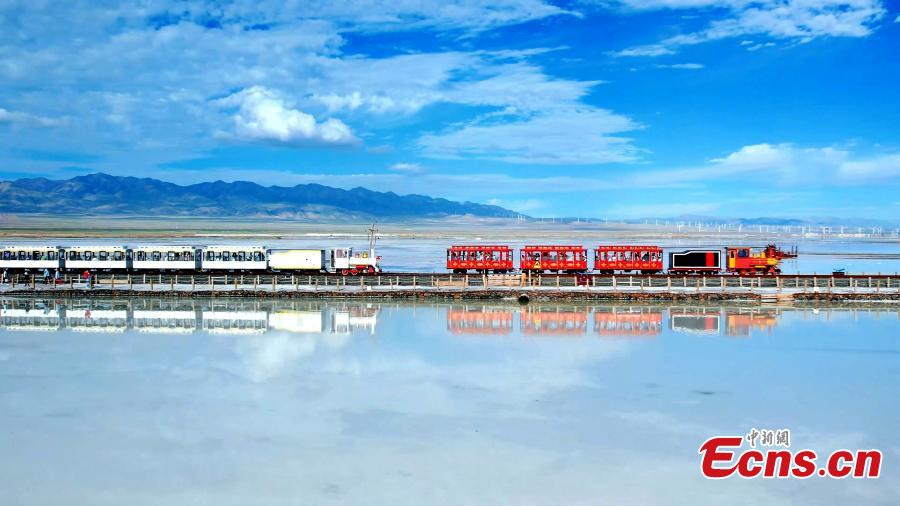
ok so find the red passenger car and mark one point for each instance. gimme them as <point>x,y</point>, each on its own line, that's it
<point>481,258</point>
<point>645,259</point>
<point>554,258</point>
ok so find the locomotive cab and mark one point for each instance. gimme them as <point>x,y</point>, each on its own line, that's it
<point>742,260</point>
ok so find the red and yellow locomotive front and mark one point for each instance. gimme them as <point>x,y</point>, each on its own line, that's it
<point>743,260</point>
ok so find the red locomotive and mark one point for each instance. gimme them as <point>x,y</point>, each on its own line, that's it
<point>481,258</point>
<point>742,260</point>
<point>570,259</point>
<point>644,259</point>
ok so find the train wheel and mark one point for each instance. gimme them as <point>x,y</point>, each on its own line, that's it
<point>344,272</point>
<point>355,272</point>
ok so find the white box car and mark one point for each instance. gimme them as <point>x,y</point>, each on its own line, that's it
<point>297,321</point>
<point>297,260</point>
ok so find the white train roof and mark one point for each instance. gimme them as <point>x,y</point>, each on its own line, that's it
<point>233,247</point>
<point>164,247</point>
<point>28,247</point>
<point>101,247</point>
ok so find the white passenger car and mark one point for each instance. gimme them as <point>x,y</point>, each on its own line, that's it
<point>298,260</point>
<point>101,258</point>
<point>234,258</point>
<point>30,257</point>
<point>165,258</point>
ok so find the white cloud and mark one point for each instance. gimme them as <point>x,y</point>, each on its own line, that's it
<point>800,20</point>
<point>787,165</point>
<point>407,168</point>
<point>264,115</point>
<point>684,66</point>
<point>138,76</point>
<point>572,136</point>
<point>647,50</point>
<point>24,118</point>
<point>757,47</point>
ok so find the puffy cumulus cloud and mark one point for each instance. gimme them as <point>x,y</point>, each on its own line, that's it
<point>560,136</point>
<point>264,116</point>
<point>801,20</point>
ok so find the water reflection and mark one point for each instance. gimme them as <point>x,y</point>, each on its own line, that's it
<point>187,316</point>
<point>554,320</point>
<point>360,402</point>
<point>610,321</point>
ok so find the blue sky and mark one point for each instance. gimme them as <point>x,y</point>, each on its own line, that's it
<point>615,109</point>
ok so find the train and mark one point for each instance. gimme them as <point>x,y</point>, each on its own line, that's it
<point>188,259</point>
<point>612,259</point>
<point>461,259</point>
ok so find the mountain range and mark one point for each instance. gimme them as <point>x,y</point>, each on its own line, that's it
<point>103,194</point>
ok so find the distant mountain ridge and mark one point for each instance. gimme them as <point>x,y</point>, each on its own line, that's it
<point>103,194</point>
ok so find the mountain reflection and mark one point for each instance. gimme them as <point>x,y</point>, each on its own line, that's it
<point>186,316</point>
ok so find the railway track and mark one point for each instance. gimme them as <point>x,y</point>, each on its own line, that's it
<point>437,280</point>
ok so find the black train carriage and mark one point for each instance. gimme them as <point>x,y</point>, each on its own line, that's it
<point>695,261</point>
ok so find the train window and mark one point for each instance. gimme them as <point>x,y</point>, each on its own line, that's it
<point>744,253</point>
<point>258,256</point>
<point>52,255</point>
<point>188,255</point>
<point>226,256</point>
<point>118,256</point>
<point>240,256</point>
<point>88,255</point>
